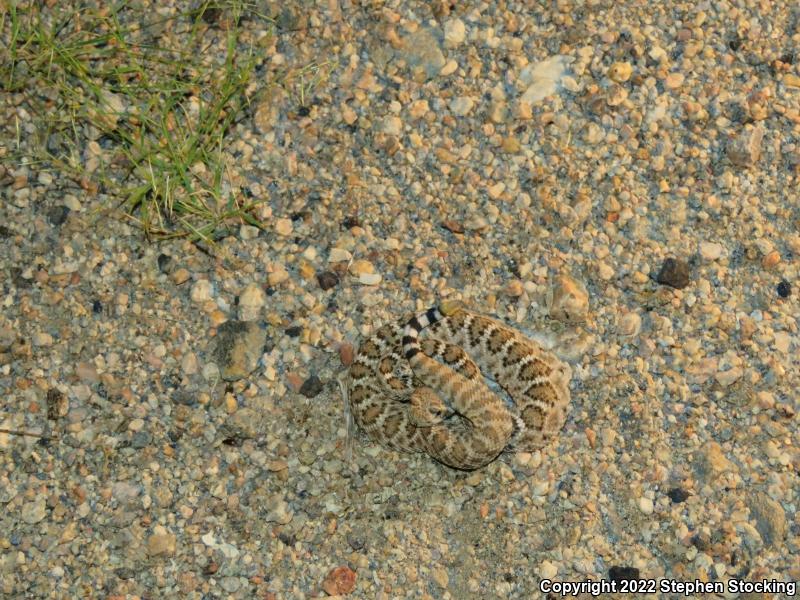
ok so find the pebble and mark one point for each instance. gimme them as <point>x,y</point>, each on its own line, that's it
<point>461,106</point>
<point>339,255</point>
<point>201,291</point>
<point>674,273</point>
<point>346,354</point>
<point>284,226</point>
<point>238,348</point>
<point>630,324</point>
<point>251,300</point>
<point>744,150</point>
<point>620,72</point>
<point>547,570</point>
<point>422,53</point>
<point>370,278</point>
<point>34,511</point>
<point>710,251</point>
<point>769,517</point>
<point>543,78</point>
<point>311,387</point>
<point>327,279</point>
<point>339,581</point>
<point>711,461</point>
<point>646,505</point>
<point>455,32</point>
<point>161,542</point>
<point>278,511</point>
<point>784,289</point>
<point>568,300</point>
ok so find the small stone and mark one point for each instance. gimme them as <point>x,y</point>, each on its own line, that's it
<point>674,273</point>
<point>770,518</point>
<point>630,324</point>
<point>784,289</point>
<point>771,259</point>
<point>710,250</point>
<point>547,570</point>
<point>440,576</point>
<point>34,511</point>
<point>358,267</point>
<point>230,583</point>
<point>161,542</point>
<point>392,125</point>
<point>311,386</point>
<point>461,105</point>
<point>278,511</point>
<point>678,495</point>
<point>57,215</point>
<point>620,72</point>
<point>514,288</point>
<point>510,145</point>
<point>339,255</point>
<point>327,279</point>
<point>422,54</point>
<point>726,378</point>
<point>251,300</point>
<point>180,276</point>
<point>238,348</point>
<point>346,354</point>
<point>201,291</point>
<point>369,278</point>
<point>711,462</point>
<point>674,80</point>
<point>791,80</point>
<point>454,33</point>
<point>646,505</point>
<point>339,581</point>
<point>745,149</point>
<point>283,226</point>
<point>568,300</point>
<point>278,275</point>
<point>42,339</point>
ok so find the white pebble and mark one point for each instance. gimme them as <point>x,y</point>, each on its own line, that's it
<point>201,291</point>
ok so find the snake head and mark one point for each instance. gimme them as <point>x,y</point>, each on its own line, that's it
<point>427,408</point>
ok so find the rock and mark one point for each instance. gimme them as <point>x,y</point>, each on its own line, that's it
<point>278,511</point>
<point>339,255</point>
<point>745,149</point>
<point>791,80</point>
<point>201,291</point>
<point>620,72</point>
<point>161,542</point>
<point>674,273</point>
<point>359,267</point>
<point>678,495</point>
<point>245,423</point>
<point>547,570</point>
<point>422,53</point>
<point>327,279</point>
<point>239,346</point>
<point>711,462</point>
<point>461,105</point>
<point>369,278</point>
<point>568,300</point>
<point>646,505</point>
<point>514,288</point>
<point>784,289</point>
<point>674,80</point>
<point>278,275</point>
<point>230,584</point>
<point>770,518</point>
<point>57,215</point>
<point>710,250</point>
<point>454,33</point>
<point>251,300</point>
<point>726,378</point>
<point>284,226</point>
<point>339,581</point>
<point>34,511</point>
<point>543,78</point>
<point>311,386</point>
<point>630,324</point>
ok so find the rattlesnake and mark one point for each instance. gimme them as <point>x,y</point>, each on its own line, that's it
<point>428,395</point>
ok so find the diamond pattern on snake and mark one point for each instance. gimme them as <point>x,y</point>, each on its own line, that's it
<point>420,387</point>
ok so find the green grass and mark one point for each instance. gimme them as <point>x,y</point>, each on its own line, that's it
<point>161,98</point>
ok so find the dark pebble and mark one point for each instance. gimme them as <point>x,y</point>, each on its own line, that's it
<point>351,222</point>
<point>784,289</point>
<point>327,279</point>
<point>674,273</point>
<point>294,331</point>
<point>303,111</point>
<point>164,263</point>
<point>356,543</point>
<point>57,215</point>
<point>5,232</point>
<point>311,387</point>
<point>617,573</point>
<point>678,495</point>
<point>97,307</point>
<point>184,397</point>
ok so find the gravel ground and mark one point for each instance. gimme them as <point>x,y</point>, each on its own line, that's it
<point>189,429</point>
